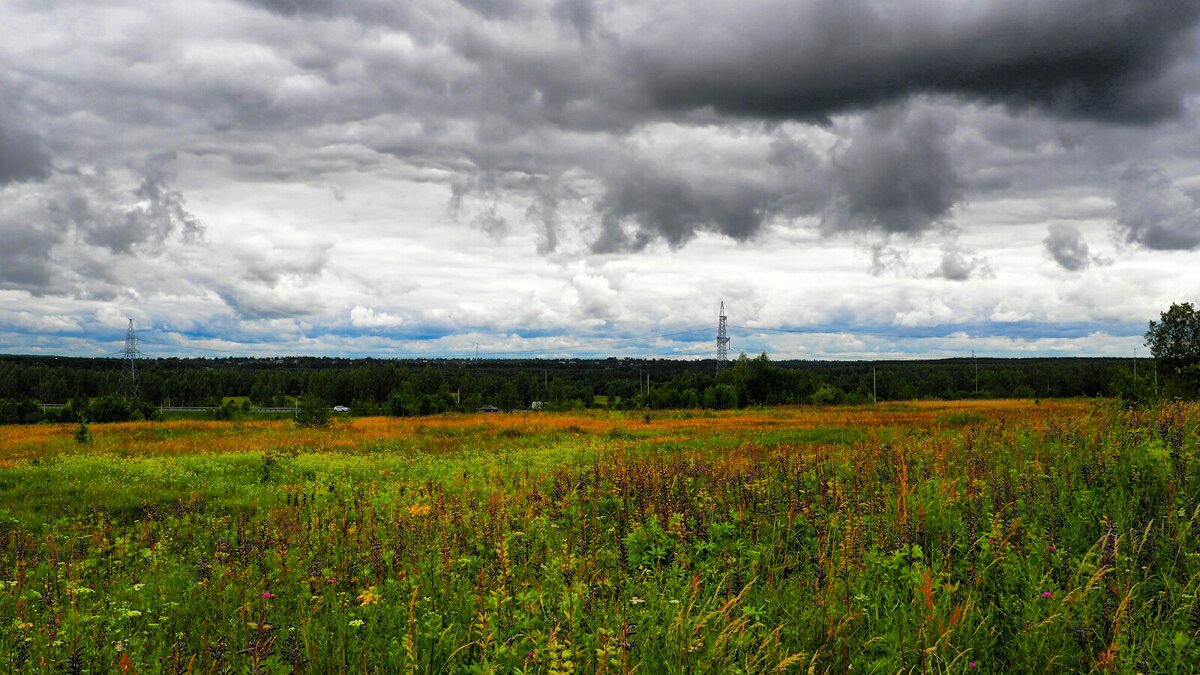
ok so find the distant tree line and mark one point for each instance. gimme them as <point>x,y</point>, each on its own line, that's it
<point>425,387</point>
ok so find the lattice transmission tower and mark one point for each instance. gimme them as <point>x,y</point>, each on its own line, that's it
<point>722,340</point>
<point>127,386</point>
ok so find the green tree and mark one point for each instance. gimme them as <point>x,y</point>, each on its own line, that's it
<point>311,411</point>
<point>1174,340</point>
<point>109,409</point>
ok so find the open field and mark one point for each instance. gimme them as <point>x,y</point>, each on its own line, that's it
<point>993,536</point>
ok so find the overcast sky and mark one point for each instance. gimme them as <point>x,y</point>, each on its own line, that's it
<point>372,177</point>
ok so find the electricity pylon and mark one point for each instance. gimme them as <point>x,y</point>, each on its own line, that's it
<point>127,386</point>
<point>722,340</point>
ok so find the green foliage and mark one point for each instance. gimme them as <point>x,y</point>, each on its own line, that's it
<point>427,388</point>
<point>83,433</point>
<point>110,408</point>
<point>19,411</point>
<point>825,395</point>
<point>1174,340</point>
<point>312,412</point>
<point>1135,392</point>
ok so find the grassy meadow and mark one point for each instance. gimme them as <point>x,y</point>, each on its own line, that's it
<point>993,536</point>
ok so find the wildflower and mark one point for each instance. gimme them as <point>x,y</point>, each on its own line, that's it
<point>138,587</point>
<point>418,510</point>
<point>331,581</point>
<point>23,625</point>
<point>132,613</point>
<point>1047,594</point>
<point>357,623</point>
<point>971,664</point>
<point>1051,548</point>
<point>637,601</point>
<point>267,595</point>
<point>369,596</point>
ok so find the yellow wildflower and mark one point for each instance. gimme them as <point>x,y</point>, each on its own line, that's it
<point>418,510</point>
<point>369,596</point>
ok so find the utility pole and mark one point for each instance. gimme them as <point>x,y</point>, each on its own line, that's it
<point>1135,363</point>
<point>976,372</point>
<point>874,391</point>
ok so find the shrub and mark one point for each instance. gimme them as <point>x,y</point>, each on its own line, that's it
<point>109,408</point>
<point>312,412</point>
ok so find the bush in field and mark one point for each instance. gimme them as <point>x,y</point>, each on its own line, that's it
<point>825,394</point>
<point>83,434</point>
<point>721,397</point>
<point>1134,392</point>
<point>109,409</point>
<point>312,412</point>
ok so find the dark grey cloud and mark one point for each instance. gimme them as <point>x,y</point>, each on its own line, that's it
<point>64,237</point>
<point>1099,59</point>
<point>896,175</point>
<point>1065,243</point>
<point>579,14</point>
<point>495,9</point>
<point>124,222</point>
<point>1155,213</point>
<point>644,204</point>
<point>295,7</point>
<point>25,256</point>
<point>22,156</point>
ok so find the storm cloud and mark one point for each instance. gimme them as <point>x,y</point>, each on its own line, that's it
<point>1110,60</point>
<point>292,165</point>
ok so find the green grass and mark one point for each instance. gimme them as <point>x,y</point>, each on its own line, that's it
<point>1039,541</point>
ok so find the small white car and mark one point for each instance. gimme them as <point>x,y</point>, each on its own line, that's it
<point>340,408</point>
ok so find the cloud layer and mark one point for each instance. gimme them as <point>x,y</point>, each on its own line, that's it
<point>296,169</point>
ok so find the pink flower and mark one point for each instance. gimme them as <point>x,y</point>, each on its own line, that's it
<point>971,664</point>
<point>1047,594</point>
<point>1051,548</point>
<point>331,581</point>
<point>267,595</point>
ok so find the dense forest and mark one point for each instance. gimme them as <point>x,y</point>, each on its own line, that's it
<point>414,387</point>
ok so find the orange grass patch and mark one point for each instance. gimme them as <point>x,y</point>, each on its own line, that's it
<point>449,431</point>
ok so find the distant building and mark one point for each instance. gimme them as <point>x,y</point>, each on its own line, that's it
<point>537,405</point>
<point>489,409</point>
